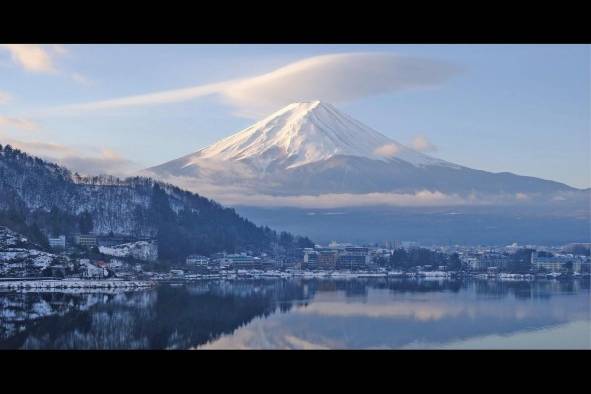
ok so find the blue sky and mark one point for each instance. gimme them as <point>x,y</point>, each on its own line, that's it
<point>518,108</point>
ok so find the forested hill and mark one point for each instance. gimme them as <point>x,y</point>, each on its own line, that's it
<point>40,197</point>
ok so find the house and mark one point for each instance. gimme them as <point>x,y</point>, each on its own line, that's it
<point>177,273</point>
<point>89,270</point>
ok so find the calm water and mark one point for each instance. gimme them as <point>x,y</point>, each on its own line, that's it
<point>313,314</point>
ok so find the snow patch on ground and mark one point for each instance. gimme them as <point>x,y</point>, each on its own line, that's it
<point>141,250</point>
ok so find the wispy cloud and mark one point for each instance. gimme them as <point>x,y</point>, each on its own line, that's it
<point>4,97</point>
<point>59,49</point>
<point>106,162</point>
<point>163,97</point>
<point>243,194</point>
<point>86,161</point>
<point>81,79</point>
<point>388,150</point>
<point>19,123</point>
<point>41,59</point>
<point>336,78</point>
<point>333,78</point>
<point>342,200</point>
<point>34,58</point>
<point>422,144</point>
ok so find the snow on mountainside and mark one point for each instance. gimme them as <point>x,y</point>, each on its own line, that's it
<point>141,250</point>
<point>44,199</point>
<point>307,132</point>
<point>19,257</point>
<point>297,135</point>
<point>311,148</point>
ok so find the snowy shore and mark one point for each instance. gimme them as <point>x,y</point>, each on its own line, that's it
<point>74,284</point>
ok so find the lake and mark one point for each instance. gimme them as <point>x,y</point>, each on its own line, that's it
<point>305,314</point>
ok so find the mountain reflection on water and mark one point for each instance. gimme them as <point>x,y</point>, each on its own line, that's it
<point>362,313</point>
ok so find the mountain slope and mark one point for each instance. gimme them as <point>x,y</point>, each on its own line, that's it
<point>51,198</point>
<point>311,148</point>
<point>303,133</point>
<point>309,168</point>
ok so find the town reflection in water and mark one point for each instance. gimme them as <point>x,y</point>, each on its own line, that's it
<point>361,313</point>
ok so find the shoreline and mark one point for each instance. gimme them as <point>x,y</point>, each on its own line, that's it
<point>28,284</point>
<point>41,285</point>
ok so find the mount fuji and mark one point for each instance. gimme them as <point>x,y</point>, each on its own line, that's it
<point>311,148</point>
<point>294,168</point>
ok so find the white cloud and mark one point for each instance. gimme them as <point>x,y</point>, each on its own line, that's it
<point>343,200</point>
<point>106,162</point>
<point>81,79</point>
<point>59,49</point>
<point>42,149</point>
<point>422,144</point>
<point>388,150</point>
<point>332,78</point>
<point>164,97</point>
<point>40,59</point>
<point>18,123</point>
<point>4,97</point>
<point>31,57</point>
<point>237,194</point>
<point>336,78</point>
<point>86,161</point>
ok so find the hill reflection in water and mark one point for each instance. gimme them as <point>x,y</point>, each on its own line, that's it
<point>372,313</point>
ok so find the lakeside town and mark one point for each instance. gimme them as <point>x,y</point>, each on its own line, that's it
<point>88,260</point>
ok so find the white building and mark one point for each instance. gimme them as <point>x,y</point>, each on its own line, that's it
<point>310,256</point>
<point>241,260</point>
<point>409,244</point>
<point>57,243</point>
<point>553,264</point>
<point>196,260</point>
<point>89,270</point>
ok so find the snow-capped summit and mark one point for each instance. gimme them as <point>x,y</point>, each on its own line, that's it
<point>312,148</point>
<point>302,133</point>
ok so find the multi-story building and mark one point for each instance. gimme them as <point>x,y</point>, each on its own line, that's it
<point>409,244</point>
<point>554,263</point>
<point>351,261</point>
<point>241,260</point>
<point>551,264</point>
<point>310,257</point>
<point>57,242</point>
<point>85,240</point>
<point>472,262</point>
<point>327,258</point>
<point>493,259</point>
<point>195,259</point>
<point>353,257</point>
<point>580,265</point>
